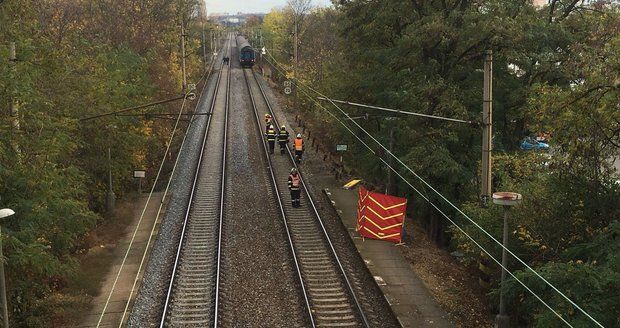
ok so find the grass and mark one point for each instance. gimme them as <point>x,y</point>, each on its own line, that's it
<point>96,259</point>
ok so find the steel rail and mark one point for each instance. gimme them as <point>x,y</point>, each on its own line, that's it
<point>280,204</point>
<point>193,191</point>
<point>205,76</point>
<point>313,205</point>
<point>223,187</point>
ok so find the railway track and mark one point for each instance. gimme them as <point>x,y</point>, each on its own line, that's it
<point>328,293</point>
<point>192,298</point>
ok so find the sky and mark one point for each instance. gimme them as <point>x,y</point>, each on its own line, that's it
<point>245,6</point>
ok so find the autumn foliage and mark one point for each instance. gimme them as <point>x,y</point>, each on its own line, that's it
<point>77,58</point>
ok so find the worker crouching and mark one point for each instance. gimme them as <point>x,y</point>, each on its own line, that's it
<point>294,184</point>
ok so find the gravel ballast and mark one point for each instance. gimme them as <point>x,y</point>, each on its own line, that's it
<point>317,174</point>
<point>259,287</point>
<point>149,303</point>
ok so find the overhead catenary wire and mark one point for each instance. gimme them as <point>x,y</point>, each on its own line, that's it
<point>397,111</point>
<point>124,110</point>
<point>204,77</point>
<point>439,210</point>
<point>169,143</point>
<point>446,200</point>
<point>310,198</point>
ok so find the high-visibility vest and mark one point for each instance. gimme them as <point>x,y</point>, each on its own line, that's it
<point>283,136</point>
<point>271,135</point>
<point>299,144</point>
<point>294,181</point>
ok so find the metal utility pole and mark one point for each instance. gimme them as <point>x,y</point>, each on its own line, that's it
<point>111,198</point>
<point>487,134</point>
<point>183,55</point>
<point>506,200</point>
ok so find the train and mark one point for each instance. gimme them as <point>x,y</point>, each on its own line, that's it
<point>247,55</point>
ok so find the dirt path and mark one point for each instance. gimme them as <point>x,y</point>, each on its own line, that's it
<point>115,306</point>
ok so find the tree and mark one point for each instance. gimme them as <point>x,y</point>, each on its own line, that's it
<point>555,69</point>
<point>75,59</point>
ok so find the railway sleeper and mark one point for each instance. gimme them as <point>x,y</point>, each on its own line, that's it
<point>338,324</point>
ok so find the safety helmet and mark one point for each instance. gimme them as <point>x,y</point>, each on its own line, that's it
<point>283,127</point>
<point>293,171</point>
<point>299,135</point>
<point>271,127</point>
<point>267,115</point>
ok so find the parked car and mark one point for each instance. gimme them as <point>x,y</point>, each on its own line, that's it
<point>530,143</point>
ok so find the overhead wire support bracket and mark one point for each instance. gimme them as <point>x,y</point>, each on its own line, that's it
<point>397,111</point>
<point>88,118</point>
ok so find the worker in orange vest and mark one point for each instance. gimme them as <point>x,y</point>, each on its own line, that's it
<point>298,144</point>
<point>294,185</point>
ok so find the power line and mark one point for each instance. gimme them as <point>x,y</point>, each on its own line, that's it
<point>135,107</point>
<point>451,204</point>
<point>168,145</point>
<point>397,111</point>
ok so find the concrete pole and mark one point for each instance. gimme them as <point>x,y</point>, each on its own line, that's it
<point>14,104</point>
<point>296,61</point>
<point>5,306</point>
<point>204,48</point>
<point>183,55</point>
<point>487,133</point>
<point>296,44</point>
<point>111,198</point>
<point>204,40</point>
<point>215,41</point>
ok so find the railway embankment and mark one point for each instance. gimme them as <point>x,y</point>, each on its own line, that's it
<point>433,271</point>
